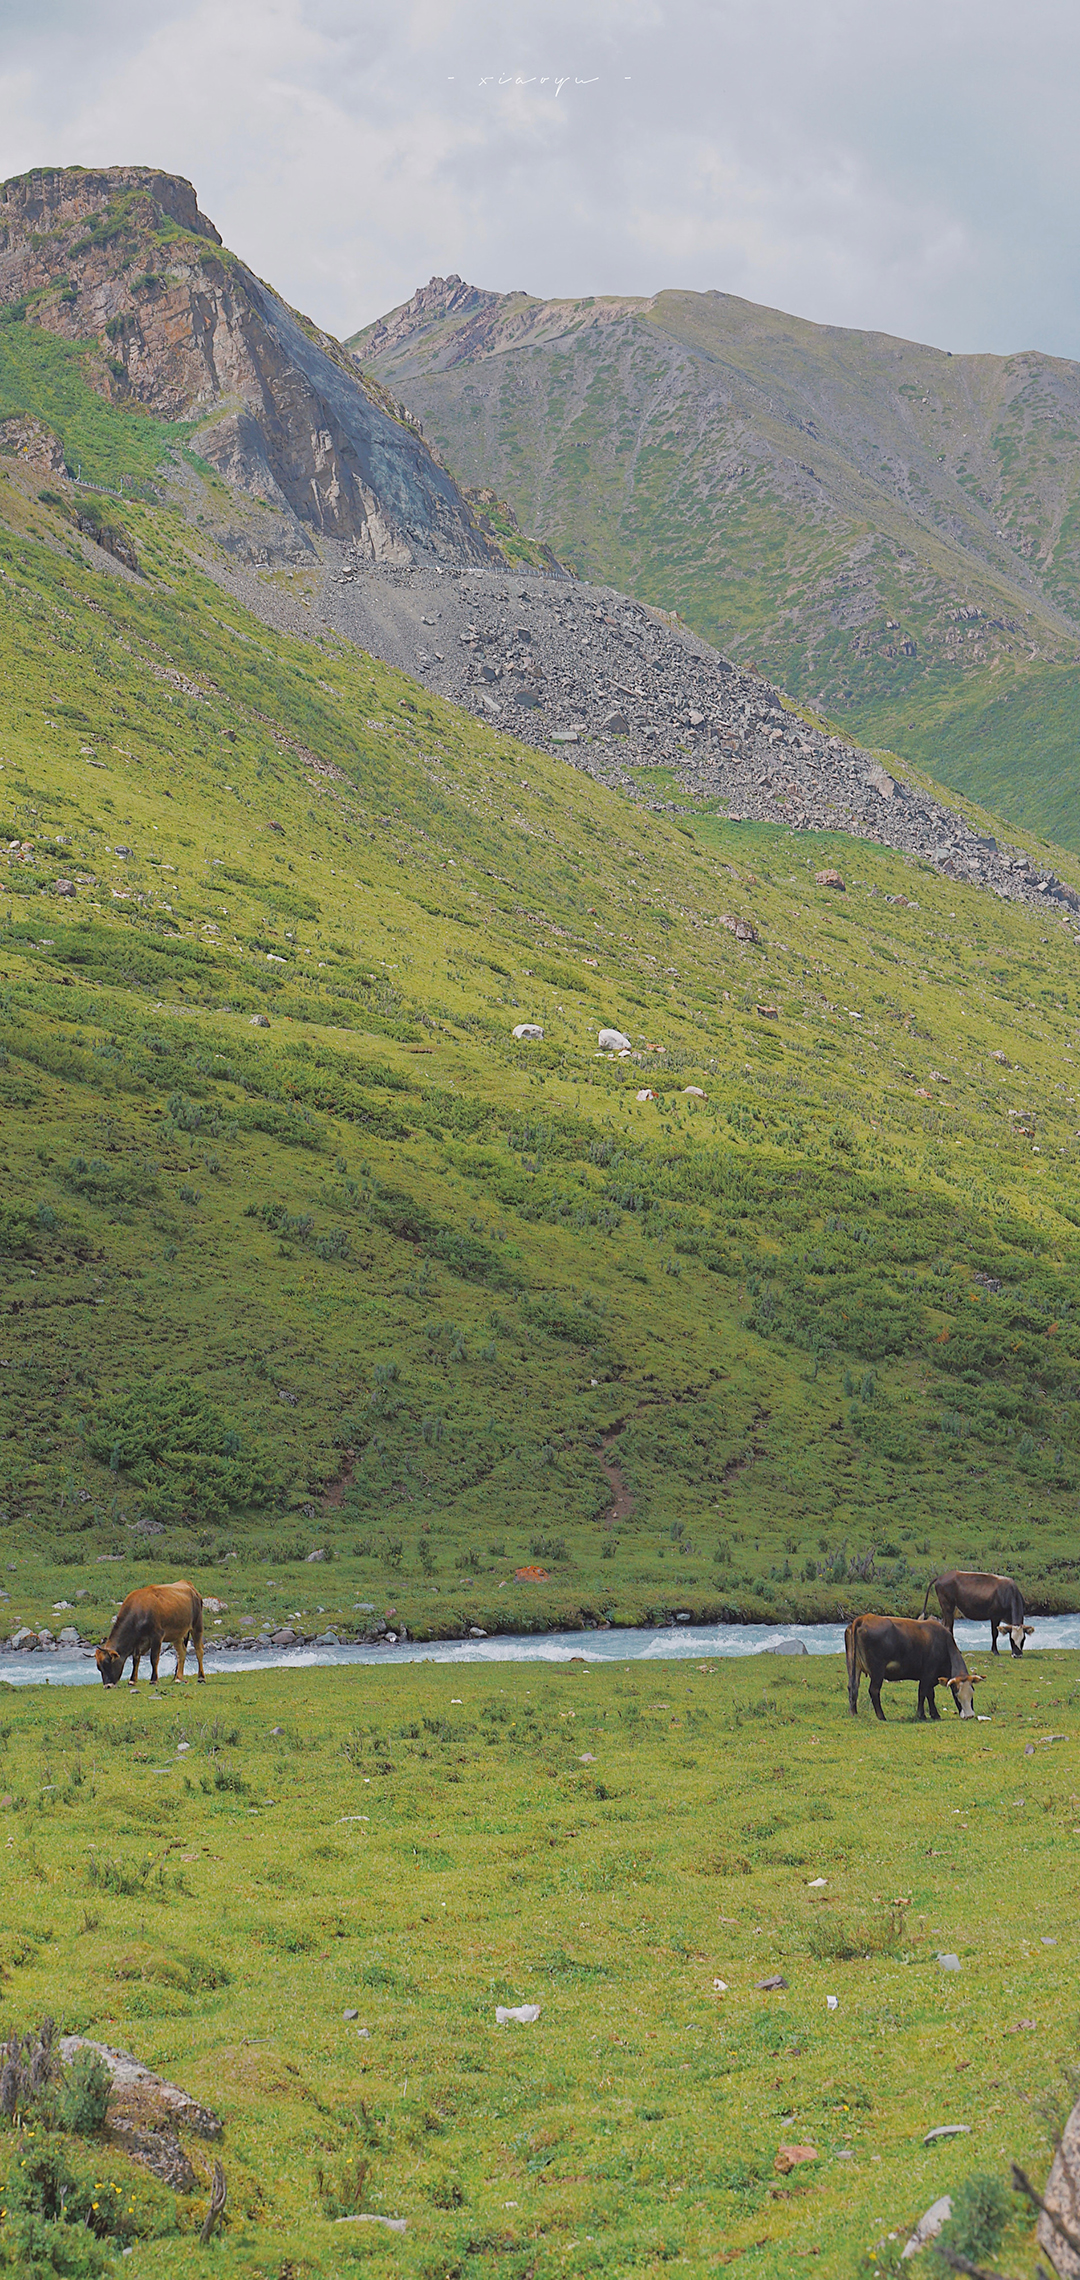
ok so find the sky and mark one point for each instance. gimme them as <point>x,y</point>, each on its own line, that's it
<point>910,170</point>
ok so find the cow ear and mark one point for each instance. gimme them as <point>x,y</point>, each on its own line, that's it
<point>1028,1630</point>
<point>976,1677</point>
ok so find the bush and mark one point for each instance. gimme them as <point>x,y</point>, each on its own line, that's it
<point>981,2209</point>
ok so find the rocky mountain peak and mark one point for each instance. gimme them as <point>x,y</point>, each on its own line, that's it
<point>123,259</point>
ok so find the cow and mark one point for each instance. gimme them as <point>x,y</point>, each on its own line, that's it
<point>893,1646</point>
<point>160,1611</point>
<point>994,1599</point>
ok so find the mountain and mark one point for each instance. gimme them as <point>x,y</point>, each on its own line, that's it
<point>888,531</point>
<point>306,1251</point>
<point>123,265</point>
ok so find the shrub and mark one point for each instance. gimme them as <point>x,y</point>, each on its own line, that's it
<point>981,2209</point>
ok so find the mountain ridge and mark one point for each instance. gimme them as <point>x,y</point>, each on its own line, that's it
<point>889,531</point>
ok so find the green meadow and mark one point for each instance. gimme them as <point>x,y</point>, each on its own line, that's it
<point>303,1251</point>
<point>216,1878</point>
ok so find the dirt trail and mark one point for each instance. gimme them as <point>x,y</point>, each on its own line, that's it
<point>622,1502</point>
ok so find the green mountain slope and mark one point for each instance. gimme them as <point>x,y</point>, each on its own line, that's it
<point>888,531</point>
<point>304,1251</point>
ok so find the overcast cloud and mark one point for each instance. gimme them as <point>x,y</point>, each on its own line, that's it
<point>911,170</point>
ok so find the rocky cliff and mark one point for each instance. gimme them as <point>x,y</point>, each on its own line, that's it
<point>123,260</point>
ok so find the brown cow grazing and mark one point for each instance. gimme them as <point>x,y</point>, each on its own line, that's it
<point>892,1646</point>
<point>160,1611</point>
<point>993,1599</point>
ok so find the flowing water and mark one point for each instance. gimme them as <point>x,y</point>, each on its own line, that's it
<point>684,1641</point>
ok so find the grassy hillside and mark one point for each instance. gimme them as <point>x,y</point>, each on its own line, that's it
<point>234,1887</point>
<point>888,531</point>
<point>273,1284</point>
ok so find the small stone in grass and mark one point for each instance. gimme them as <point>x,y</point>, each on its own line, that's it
<point>946,2130</point>
<point>949,1962</point>
<point>832,2002</point>
<point>350,2014</point>
<point>789,2157</point>
<point>769,1986</point>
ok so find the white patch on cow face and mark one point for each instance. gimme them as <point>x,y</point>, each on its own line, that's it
<point>964,1691</point>
<point>1018,1633</point>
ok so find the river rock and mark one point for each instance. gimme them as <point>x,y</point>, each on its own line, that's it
<point>286,1637</point>
<point>788,1647</point>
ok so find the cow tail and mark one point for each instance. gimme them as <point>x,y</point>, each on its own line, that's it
<point>926,1599</point>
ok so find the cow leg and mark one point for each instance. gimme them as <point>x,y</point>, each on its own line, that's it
<point>927,1694</point>
<point>875,1698</point>
<point>993,1635</point>
<point>197,1643</point>
<point>180,1645</point>
<point>853,1691</point>
<point>155,1657</point>
<point>135,1661</point>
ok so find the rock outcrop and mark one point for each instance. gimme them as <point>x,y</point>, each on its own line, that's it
<point>124,258</point>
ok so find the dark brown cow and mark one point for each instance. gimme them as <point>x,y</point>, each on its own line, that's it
<point>160,1611</point>
<point>893,1646</point>
<point>993,1599</point>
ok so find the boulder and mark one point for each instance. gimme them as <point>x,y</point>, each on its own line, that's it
<point>286,1637</point>
<point>529,1030</point>
<point>615,724</point>
<point>613,1041</point>
<point>788,1647</point>
<point>69,1636</point>
<point>259,1021</point>
<point>24,1640</point>
<point>145,2113</point>
<point>1062,2198</point>
<point>66,887</point>
<point>830,879</point>
<point>693,1092</point>
<point>313,1557</point>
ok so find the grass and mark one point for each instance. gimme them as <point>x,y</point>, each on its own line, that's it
<point>377,1280</point>
<point>421,1845</point>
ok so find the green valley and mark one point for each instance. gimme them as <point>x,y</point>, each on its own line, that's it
<point>304,1251</point>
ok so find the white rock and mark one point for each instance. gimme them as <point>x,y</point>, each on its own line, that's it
<point>929,2226</point>
<point>949,1962</point>
<point>529,1029</point>
<point>523,2015</point>
<point>646,1094</point>
<point>832,2002</point>
<point>613,1041</point>
<point>693,1092</point>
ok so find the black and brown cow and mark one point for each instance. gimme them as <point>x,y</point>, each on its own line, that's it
<point>993,1599</point>
<point>896,1647</point>
<point>160,1612</point>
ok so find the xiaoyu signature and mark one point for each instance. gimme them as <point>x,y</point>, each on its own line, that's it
<point>543,79</point>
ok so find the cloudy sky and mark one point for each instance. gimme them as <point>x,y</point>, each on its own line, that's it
<point>912,169</point>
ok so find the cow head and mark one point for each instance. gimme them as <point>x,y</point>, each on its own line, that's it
<point>1018,1632</point>
<point>962,1692</point>
<point>110,1664</point>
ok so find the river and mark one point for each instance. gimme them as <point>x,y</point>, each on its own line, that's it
<point>682,1642</point>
